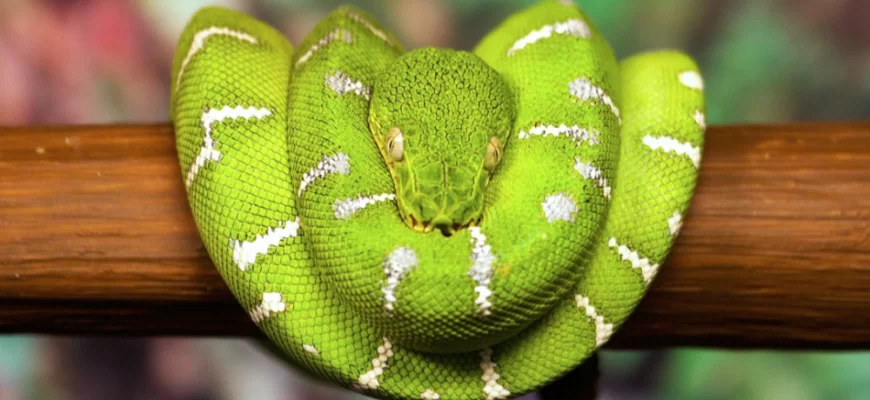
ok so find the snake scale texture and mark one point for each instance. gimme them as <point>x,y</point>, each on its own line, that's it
<point>434,224</point>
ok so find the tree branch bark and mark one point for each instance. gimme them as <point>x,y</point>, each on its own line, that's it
<point>96,238</point>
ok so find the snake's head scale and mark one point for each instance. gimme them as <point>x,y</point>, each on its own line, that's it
<point>441,119</point>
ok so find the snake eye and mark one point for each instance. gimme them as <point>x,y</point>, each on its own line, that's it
<point>396,144</point>
<point>494,152</point>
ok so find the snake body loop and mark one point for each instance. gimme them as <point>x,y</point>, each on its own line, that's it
<point>561,176</point>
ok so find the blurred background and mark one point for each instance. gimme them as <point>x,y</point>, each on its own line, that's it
<point>106,61</point>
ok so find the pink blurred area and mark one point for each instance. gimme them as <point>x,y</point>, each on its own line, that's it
<point>102,61</point>
<point>80,62</point>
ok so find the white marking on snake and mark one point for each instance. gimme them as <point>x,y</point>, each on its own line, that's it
<point>692,80</point>
<point>336,34</point>
<point>675,223</point>
<point>208,152</point>
<point>344,209</point>
<point>199,42</point>
<point>245,253</point>
<point>310,348</point>
<point>340,83</point>
<point>559,207</point>
<point>430,394</point>
<point>481,270</point>
<point>272,303</point>
<point>577,134</point>
<point>700,118</point>
<point>603,330</point>
<point>396,265</point>
<point>583,89</point>
<point>647,270</point>
<point>567,3</point>
<point>369,379</point>
<point>593,174</point>
<point>492,388</point>
<point>671,145</point>
<point>571,27</point>
<point>371,27</point>
<point>338,163</point>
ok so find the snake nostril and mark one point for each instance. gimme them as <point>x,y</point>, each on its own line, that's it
<point>446,231</point>
<point>444,224</point>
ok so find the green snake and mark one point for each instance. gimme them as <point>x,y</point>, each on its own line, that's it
<point>434,224</point>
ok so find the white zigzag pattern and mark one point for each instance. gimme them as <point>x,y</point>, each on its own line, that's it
<point>700,118</point>
<point>577,134</point>
<point>675,223</point>
<point>571,27</point>
<point>340,83</point>
<point>396,265</point>
<point>603,330</point>
<point>245,253</point>
<point>671,145</point>
<point>481,270</point>
<point>371,27</point>
<point>583,89</point>
<point>337,34</point>
<point>592,173</point>
<point>492,388</point>
<point>199,43</point>
<point>369,379</point>
<point>692,80</point>
<point>559,207</point>
<point>344,209</point>
<point>208,152</point>
<point>647,269</point>
<point>272,303</point>
<point>339,163</point>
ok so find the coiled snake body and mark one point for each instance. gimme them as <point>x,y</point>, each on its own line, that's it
<point>434,224</point>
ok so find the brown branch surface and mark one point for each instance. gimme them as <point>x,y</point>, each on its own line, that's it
<point>96,238</point>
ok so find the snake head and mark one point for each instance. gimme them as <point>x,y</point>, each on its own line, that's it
<point>441,119</point>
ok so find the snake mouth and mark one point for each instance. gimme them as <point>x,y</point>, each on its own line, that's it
<point>447,228</point>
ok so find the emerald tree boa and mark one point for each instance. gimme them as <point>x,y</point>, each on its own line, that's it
<point>434,224</point>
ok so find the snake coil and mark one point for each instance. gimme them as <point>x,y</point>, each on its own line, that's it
<point>283,157</point>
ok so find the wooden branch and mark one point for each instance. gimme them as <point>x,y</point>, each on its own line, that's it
<point>96,238</point>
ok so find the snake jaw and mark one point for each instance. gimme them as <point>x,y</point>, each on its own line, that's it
<point>446,230</point>
<point>422,227</point>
